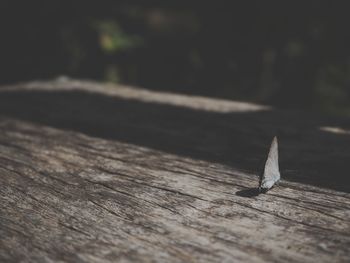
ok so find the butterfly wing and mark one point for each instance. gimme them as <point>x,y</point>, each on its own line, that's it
<point>271,173</point>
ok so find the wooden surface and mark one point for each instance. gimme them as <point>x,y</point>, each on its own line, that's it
<point>102,173</point>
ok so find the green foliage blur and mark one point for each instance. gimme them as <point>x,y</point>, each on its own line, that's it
<point>291,54</point>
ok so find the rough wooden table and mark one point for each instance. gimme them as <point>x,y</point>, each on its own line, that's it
<point>102,173</point>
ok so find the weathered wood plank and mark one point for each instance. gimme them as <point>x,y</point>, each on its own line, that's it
<point>80,193</point>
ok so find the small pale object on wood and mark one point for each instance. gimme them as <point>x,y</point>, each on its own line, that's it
<point>270,174</point>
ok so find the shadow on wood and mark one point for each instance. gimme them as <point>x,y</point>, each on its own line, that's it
<point>238,139</point>
<point>250,192</point>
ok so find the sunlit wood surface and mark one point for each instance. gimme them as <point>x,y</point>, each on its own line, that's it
<point>103,173</point>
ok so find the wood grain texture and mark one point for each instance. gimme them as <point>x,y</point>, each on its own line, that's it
<point>90,173</point>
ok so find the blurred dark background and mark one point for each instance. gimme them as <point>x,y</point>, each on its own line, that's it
<point>291,54</point>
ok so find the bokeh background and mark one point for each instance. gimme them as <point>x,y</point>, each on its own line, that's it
<point>291,54</point>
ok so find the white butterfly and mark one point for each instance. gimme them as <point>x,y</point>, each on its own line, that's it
<point>271,173</point>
